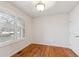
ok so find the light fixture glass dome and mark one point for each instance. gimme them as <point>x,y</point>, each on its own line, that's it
<point>40,6</point>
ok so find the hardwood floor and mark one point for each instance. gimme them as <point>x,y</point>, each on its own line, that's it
<point>38,50</point>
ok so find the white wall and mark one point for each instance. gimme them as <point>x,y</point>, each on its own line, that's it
<point>14,47</point>
<point>74,29</point>
<point>52,30</point>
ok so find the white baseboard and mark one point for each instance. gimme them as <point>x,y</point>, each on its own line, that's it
<point>75,50</point>
<point>19,49</point>
<point>53,45</point>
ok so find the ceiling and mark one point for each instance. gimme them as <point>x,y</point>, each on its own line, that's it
<point>59,7</point>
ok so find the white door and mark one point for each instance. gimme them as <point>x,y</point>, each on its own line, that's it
<point>74,36</point>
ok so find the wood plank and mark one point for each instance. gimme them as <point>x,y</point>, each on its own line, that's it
<point>39,50</point>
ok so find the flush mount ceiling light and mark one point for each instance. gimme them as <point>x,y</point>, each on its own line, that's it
<point>40,6</point>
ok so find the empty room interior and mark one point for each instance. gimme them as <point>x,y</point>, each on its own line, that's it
<point>39,28</point>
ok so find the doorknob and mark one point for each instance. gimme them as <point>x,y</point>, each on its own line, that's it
<point>77,36</point>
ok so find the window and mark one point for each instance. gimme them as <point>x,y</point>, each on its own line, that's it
<point>11,27</point>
